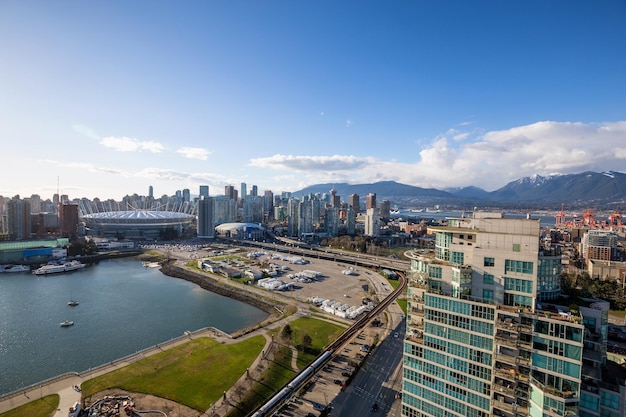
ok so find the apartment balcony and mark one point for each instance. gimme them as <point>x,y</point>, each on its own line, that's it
<point>417,310</point>
<point>507,324</point>
<point>511,408</point>
<point>504,387</point>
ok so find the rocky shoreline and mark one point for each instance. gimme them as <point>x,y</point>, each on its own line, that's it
<point>275,309</point>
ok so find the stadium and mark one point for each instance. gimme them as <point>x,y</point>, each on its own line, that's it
<point>251,231</point>
<point>138,224</point>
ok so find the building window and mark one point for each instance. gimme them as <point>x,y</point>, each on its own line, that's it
<point>457,258</point>
<point>488,279</point>
<point>520,267</point>
<point>489,262</point>
<point>488,295</point>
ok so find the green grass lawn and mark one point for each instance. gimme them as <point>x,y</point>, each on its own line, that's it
<point>321,332</point>
<point>277,374</point>
<point>45,407</point>
<point>402,302</point>
<point>194,374</point>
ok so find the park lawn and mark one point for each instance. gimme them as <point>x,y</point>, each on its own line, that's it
<point>277,374</point>
<point>44,407</point>
<point>194,374</point>
<point>321,332</point>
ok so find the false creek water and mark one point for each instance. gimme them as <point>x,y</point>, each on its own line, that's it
<point>124,307</point>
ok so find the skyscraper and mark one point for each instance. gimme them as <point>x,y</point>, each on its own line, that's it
<point>244,190</point>
<point>229,191</point>
<point>204,191</point>
<point>370,201</point>
<point>206,226</point>
<point>485,335</point>
<point>354,202</point>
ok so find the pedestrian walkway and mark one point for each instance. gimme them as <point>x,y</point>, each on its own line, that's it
<point>68,396</point>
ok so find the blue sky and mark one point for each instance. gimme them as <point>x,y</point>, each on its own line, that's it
<point>110,97</point>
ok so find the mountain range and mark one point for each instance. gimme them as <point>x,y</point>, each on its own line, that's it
<point>584,190</point>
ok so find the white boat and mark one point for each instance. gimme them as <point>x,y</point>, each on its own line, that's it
<point>55,269</point>
<point>67,323</point>
<point>72,302</point>
<point>14,268</point>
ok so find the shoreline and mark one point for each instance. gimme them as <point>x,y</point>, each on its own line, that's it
<point>275,311</point>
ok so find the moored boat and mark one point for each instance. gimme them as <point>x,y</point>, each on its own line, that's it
<point>14,268</point>
<point>67,323</point>
<point>55,269</point>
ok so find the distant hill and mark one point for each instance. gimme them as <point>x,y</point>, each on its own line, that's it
<point>587,189</point>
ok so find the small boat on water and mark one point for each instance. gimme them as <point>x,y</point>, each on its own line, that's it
<point>55,269</point>
<point>14,268</point>
<point>151,264</point>
<point>67,323</point>
<point>72,303</point>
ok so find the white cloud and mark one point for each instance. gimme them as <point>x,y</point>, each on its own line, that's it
<point>126,144</point>
<point>490,160</point>
<point>312,163</point>
<point>194,153</point>
<point>349,123</point>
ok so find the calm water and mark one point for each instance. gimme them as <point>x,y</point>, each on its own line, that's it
<point>124,307</point>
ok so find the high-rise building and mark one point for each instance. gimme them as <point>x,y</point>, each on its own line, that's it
<point>486,336</point>
<point>150,192</point>
<point>372,222</point>
<point>255,191</point>
<point>370,201</point>
<point>229,191</point>
<point>244,190</point>
<point>18,216</point>
<point>354,202</point>
<point>186,195</point>
<point>204,191</point>
<point>385,210</point>
<point>206,226</point>
<point>69,220</point>
<point>335,200</point>
<point>331,221</point>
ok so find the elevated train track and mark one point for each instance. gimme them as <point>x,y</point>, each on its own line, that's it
<point>299,380</point>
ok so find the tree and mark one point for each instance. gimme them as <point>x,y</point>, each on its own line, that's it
<point>306,342</point>
<point>287,332</point>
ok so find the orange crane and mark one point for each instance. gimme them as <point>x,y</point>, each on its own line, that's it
<point>615,219</point>
<point>589,218</point>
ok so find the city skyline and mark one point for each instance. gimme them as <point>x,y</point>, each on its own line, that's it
<point>106,99</point>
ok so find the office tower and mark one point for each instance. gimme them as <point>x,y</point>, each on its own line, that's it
<point>385,210</point>
<point>268,204</point>
<point>150,192</point>
<point>229,191</point>
<point>224,210</point>
<point>35,204</point>
<point>350,221</point>
<point>186,195</point>
<point>206,227</point>
<point>255,191</point>
<point>244,190</point>
<point>355,203</point>
<point>204,191</point>
<point>372,222</point>
<point>331,221</point>
<point>18,216</point>
<point>69,220</point>
<point>485,335</point>
<point>335,200</point>
<point>370,201</point>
